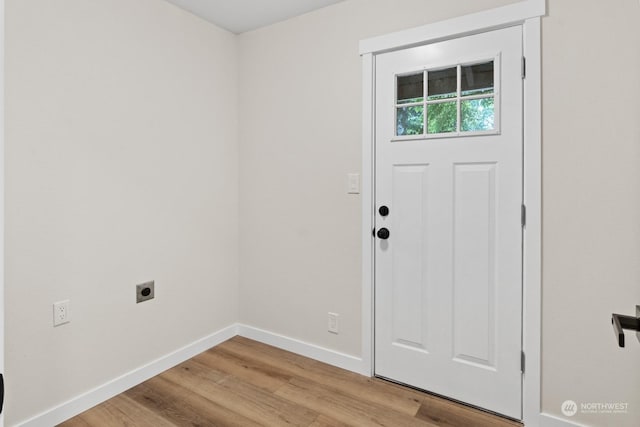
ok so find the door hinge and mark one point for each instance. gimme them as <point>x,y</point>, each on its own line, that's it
<point>522,361</point>
<point>523,215</point>
<point>524,67</point>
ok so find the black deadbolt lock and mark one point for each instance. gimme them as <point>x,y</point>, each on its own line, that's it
<point>383,234</point>
<point>384,211</point>
<point>145,292</point>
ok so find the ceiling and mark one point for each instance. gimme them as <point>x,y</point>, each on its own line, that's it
<point>239,16</point>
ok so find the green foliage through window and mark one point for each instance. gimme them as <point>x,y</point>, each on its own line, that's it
<point>410,120</point>
<point>477,115</point>
<point>442,117</point>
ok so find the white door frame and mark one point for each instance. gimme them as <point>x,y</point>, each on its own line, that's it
<point>526,13</point>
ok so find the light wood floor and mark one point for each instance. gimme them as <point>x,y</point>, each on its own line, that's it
<point>246,383</point>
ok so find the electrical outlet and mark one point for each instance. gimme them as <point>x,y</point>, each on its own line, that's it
<point>61,313</point>
<point>333,322</point>
<point>145,291</point>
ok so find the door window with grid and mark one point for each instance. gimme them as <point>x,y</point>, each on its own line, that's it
<point>459,100</point>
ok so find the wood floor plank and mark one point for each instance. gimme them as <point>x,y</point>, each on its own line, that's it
<point>383,393</point>
<point>142,416</point>
<point>344,407</point>
<point>324,421</point>
<point>119,411</point>
<point>77,421</point>
<point>255,373</point>
<point>246,345</point>
<point>206,372</point>
<point>122,411</point>
<point>445,413</point>
<point>238,396</point>
<point>176,404</point>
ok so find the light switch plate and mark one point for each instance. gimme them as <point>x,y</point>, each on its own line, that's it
<point>354,183</point>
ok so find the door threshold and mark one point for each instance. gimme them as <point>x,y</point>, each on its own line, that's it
<point>449,399</point>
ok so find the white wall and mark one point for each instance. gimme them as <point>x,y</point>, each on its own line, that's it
<point>121,167</point>
<point>591,170</point>
<point>2,300</point>
<point>300,135</point>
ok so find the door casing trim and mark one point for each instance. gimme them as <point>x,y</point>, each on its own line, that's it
<point>527,14</point>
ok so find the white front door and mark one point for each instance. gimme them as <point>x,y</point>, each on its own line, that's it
<point>448,196</point>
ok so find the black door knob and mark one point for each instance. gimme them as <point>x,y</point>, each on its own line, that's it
<point>383,211</point>
<point>383,234</point>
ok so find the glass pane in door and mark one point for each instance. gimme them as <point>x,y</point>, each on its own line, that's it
<point>410,88</point>
<point>477,115</point>
<point>442,84</point>
<point>477,79</point>
<point>442,117</point>
<point>410,120</point>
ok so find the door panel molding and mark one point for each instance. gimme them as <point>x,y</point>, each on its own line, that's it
<point>410,327</point>
<point>474,345</point>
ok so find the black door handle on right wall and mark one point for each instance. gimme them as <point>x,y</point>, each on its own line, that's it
<point>621,322</point>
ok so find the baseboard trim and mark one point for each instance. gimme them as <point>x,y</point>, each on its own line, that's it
<point>112,388</point>
<point>331,357</point>
<point>548,420</point>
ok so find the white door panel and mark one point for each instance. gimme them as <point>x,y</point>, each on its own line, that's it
<point>410,205</point>
<point>448,280</point>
